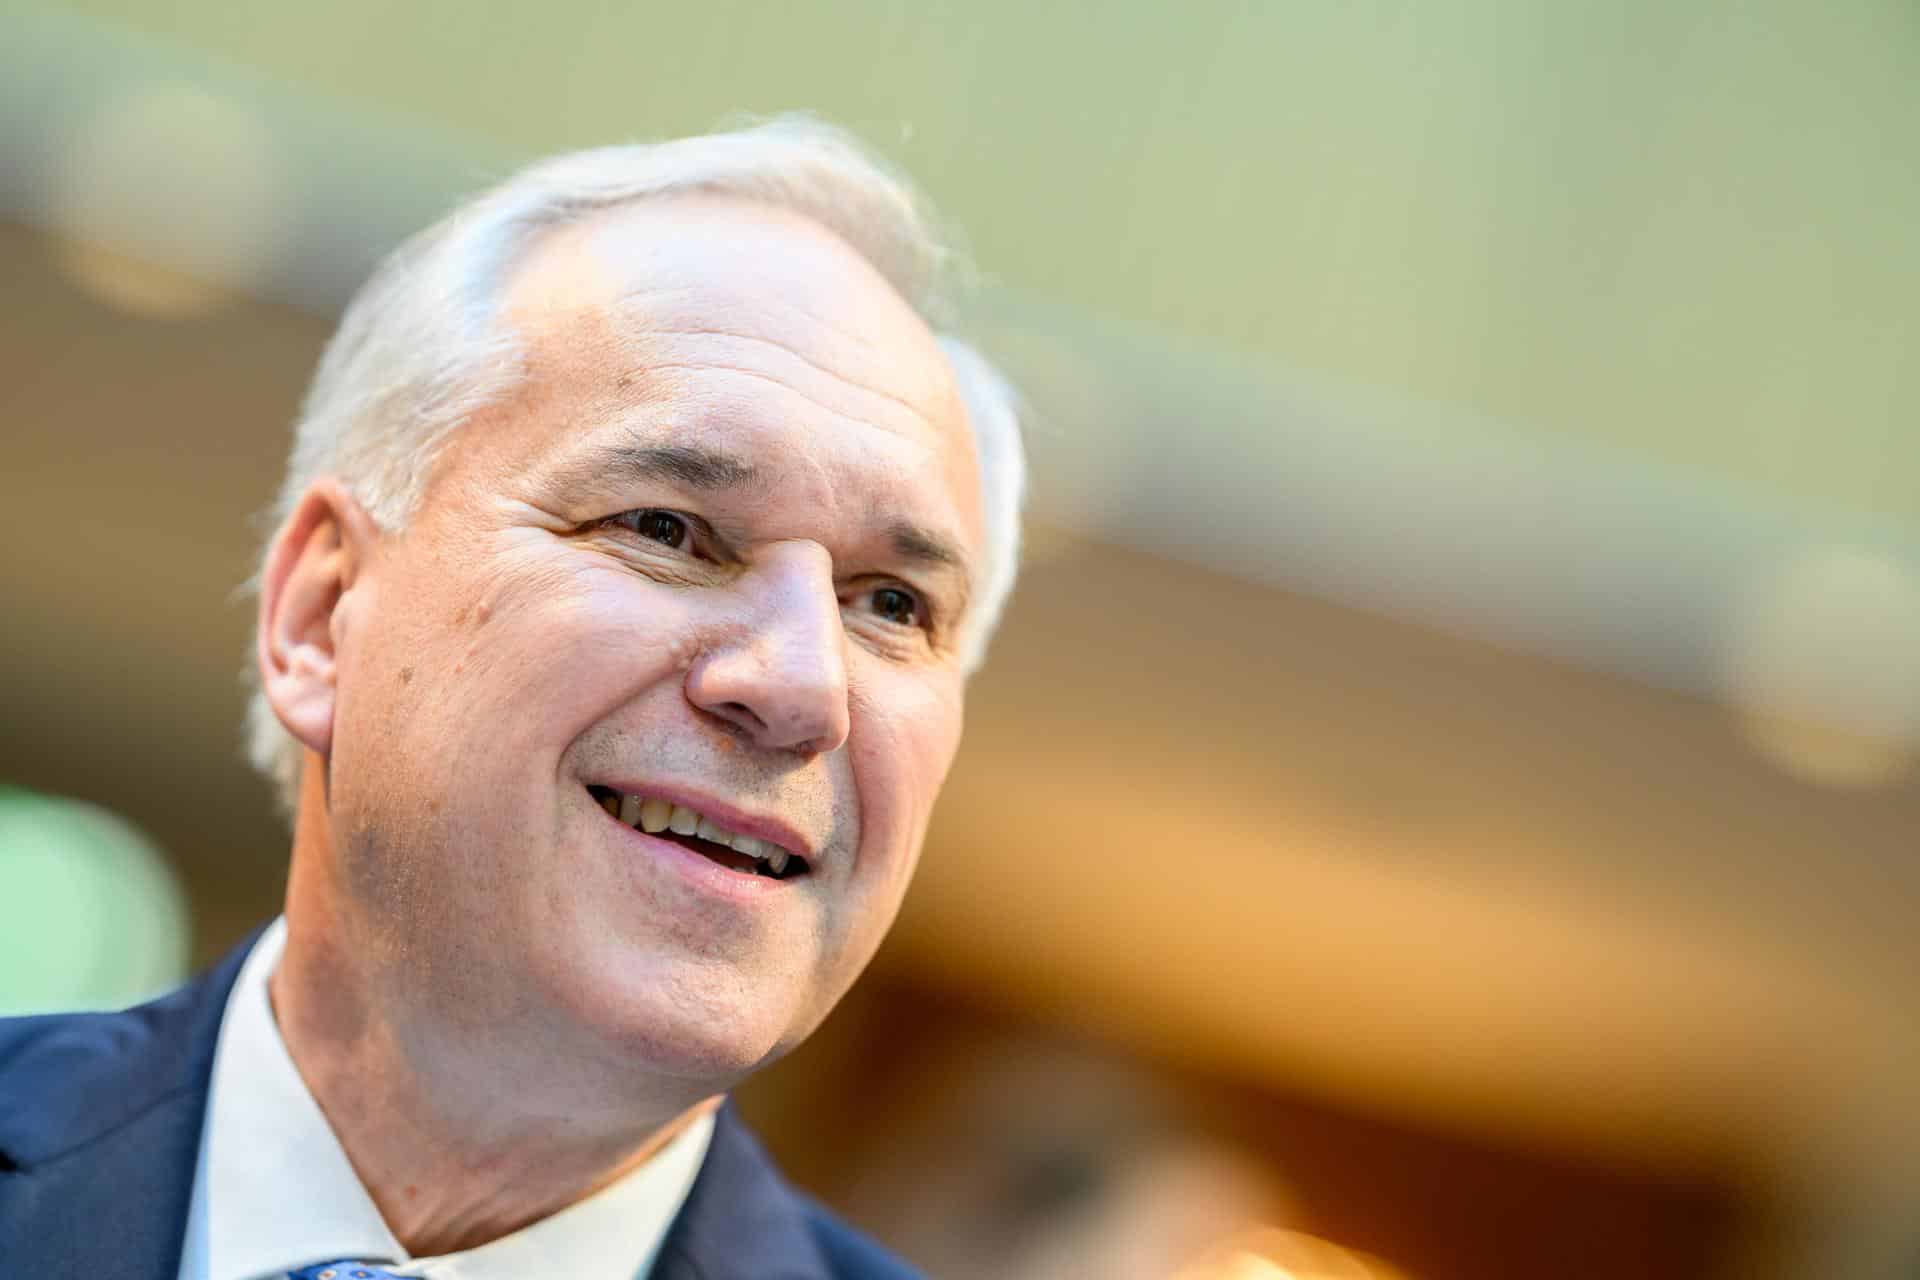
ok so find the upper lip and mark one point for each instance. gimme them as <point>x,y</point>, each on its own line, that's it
<point>760,826</point>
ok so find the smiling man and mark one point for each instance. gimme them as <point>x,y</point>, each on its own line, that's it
<point>638,540</point>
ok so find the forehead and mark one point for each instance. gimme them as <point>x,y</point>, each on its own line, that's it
<point>736,325</point>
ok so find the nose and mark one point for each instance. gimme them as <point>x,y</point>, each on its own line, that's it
<point>780,675</point>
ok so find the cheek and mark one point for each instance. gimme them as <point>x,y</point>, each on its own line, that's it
<point>910,730</point>
<point>602,636</point>
<point>511,665</point>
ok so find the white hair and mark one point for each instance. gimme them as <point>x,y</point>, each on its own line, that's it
<point>421,348</point>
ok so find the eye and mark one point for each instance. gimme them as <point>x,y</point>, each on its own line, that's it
<point>659,526</point>
<point>898,606</point>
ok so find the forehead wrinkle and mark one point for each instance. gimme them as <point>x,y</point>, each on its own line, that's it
<point>892,359</point>
<point>813,263</point>
<point>617,265</point>
<point>731,335</point>
<point>790,389</point>
<point>696,299</point>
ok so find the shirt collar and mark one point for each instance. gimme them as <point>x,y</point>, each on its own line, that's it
<point>275,1190</point>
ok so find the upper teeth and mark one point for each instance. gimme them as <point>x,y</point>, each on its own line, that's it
<point>655,815</point>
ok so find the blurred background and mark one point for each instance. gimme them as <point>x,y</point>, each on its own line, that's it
<point>1443,805</point>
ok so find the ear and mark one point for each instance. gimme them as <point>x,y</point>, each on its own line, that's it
<point>316,557</point>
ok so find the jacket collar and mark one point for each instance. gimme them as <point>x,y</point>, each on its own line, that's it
<point>67,1080</point>
<point>100,1118</point>
<point>741,1221</point>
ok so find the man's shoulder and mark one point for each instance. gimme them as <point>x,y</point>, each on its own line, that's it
<point>849,1254</point>
<point>67,1077</point>
<point>53,1043</point>
<point>100,1119</point>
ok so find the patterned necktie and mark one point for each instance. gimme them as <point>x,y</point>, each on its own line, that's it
<point>345,1269</point>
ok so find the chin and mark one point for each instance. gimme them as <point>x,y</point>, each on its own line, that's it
<point>704,1022</point>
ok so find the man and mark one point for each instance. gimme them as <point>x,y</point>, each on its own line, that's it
<point>637,542</point>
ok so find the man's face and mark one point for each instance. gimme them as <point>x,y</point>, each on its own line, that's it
<point>715,551</point>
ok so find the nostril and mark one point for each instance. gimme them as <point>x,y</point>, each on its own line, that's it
<point>743,713</point>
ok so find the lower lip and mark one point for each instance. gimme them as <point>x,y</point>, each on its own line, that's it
<point>704,873</point>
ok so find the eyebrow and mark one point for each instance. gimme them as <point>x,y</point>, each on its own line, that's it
<point>923,546</point>
<point>707,470</point>
<point>912,542</point>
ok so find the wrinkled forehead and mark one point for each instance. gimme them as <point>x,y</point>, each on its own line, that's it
<point>629,293</point>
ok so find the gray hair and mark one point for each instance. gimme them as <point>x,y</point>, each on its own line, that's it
<point>420,349</point>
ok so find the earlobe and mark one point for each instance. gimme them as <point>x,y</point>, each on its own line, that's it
<point>315,558</point>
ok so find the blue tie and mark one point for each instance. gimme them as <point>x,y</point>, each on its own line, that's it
<point>345,1269</point>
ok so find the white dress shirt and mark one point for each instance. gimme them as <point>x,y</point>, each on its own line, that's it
<point>274,1190</point>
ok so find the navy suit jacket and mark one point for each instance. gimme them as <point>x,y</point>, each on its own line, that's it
<point>100,1117</point>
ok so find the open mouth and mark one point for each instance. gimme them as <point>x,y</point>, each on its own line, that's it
<point>666,820</point>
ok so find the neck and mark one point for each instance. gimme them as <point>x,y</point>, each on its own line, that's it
<point>456,1147</point>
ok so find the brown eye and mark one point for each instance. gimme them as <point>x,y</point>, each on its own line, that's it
<point>661,526</point>
<point>898,607</point>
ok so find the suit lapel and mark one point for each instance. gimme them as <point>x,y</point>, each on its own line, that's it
<point>100,1118</point>
<point>741,1220</point>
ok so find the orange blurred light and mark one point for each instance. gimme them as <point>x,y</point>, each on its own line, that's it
<point>1271,1253</point>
